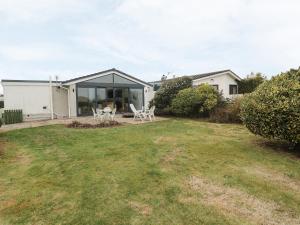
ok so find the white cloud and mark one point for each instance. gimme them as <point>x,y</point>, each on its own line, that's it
<point>35,52</point>
<point>42,10</point>
<point>267,29</point>
<point>157,36</point>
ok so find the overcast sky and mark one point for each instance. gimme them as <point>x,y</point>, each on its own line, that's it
<point>147,38</point>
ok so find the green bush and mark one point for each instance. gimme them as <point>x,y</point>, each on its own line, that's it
<point>12,116</point>
<point>273,110</point>
<point>249,84</point>
<point>167,92</point>
<point>197,101</point>
<point>228,112</point>
<point>1,121</point>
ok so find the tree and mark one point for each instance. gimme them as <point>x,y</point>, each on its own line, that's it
<point>168,90</point>
<point>197,101</point>
<point>273,109</point>
<point>249,84</point>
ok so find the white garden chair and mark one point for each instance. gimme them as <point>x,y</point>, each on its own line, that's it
<point>100,114</point>
<point>97,114</point>
<point>94,113</point>
<point>112,115</point>
<point>137,114</point>
<point>151,113</point>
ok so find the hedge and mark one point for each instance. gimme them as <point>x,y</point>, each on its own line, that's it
<point>12,116</point>
<point>273,110</point>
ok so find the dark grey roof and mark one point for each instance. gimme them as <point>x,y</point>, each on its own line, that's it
<point>198,76</point>
<point>105,71</point>
<point>78,78</point>
<point>201,75</point>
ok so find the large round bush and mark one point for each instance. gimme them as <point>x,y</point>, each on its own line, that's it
<point>195,101</point>
<point>167,92</point>
<point>273,110</point>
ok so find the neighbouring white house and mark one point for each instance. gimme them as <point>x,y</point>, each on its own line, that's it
<point>76,97</point>
<point>224,81</point>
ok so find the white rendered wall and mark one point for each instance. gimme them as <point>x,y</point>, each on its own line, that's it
<point>148,94</point>
<point>73,107</point>
<point>31,98</point>
<point>223,81</point>
<point>60,102</point>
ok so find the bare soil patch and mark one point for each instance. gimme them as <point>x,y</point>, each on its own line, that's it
<point>23,159</point>
<point>235,203</point>
<point>172,155</point>
<point>7,204</point>
<point>164,139</point>
<point>141,208</point>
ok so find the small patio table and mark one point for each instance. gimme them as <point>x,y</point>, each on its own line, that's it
<point>106,111</point>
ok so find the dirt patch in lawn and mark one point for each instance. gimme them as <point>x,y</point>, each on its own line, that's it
<point>172,155</point>
<point>164,139</point>
<point>235,203</point>
<point>22,159</point>
<point>7,204</point>
<point>274,177</point>
<point>141,208</point>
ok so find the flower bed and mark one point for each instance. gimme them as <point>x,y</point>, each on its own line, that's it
<point>76,124</point>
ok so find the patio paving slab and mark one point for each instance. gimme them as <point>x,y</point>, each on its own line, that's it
<point>90,120</point>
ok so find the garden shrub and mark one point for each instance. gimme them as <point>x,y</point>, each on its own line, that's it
<point>13,116</point>
<point>249,84</point>
<point>228,112</point>
<point>273,110</point>
<point>167,92</point>
<point>198,101</point>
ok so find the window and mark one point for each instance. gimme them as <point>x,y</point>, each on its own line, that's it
<point>136,98</point>
<point>86,100</point>
<point>108,79</point>
<point>121,99</point>
<point>233,89</point>
<point>121,80</point>
<point>215,86</point>
<point>101,98</point>
<point>110,97</point>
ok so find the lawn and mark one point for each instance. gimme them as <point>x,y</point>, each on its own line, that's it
<point>169,172</point>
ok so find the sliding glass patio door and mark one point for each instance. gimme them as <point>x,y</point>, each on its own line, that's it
<point>86,100</point>
<point>137,97</point>
<point>122,99</point>
<point>113,97</point>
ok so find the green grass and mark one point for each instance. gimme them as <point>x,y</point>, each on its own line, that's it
<point>141,174</point>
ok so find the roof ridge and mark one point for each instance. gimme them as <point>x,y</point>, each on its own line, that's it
<point>199,75</point>
<point>81,77</point>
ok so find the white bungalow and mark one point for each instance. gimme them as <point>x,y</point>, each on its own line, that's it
<point>224,81</point>
<point>76,97</point>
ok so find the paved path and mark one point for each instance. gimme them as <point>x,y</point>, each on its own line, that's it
<point>90,120</point>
